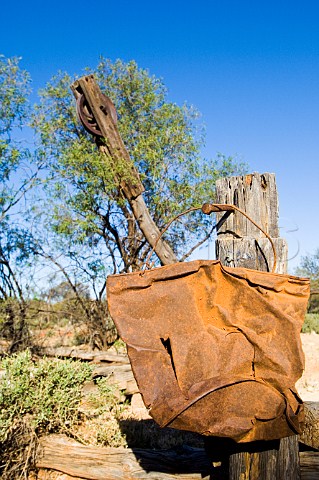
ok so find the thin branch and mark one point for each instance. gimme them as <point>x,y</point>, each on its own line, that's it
<point>11,277</point>
<point>102,290</point>
<point>201,242</point>
<point>107,225</point>
<point>66,275</point>
<point>20,193</point>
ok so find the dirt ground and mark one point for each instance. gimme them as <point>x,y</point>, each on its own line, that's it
<point>308,385</point>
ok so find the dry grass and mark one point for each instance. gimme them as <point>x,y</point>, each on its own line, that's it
<point>18,456</point>
<point>108,420</point>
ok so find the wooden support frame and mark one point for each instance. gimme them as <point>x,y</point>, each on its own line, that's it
<point>112,147</point>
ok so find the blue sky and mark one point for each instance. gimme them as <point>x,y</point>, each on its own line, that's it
<point>250,67</point>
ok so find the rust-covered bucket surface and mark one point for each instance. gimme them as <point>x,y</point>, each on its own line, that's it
<point>215,350</point>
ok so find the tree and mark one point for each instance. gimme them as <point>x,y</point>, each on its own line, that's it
<point>89,213</point>
<point>309,267</point>
<point>17,176</point>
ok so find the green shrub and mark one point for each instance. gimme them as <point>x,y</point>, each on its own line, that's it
<point>36,397</point>
<point>48,391</point>
<point>311,323</point>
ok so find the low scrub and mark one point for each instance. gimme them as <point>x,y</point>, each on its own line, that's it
<point>35,398</point>
<point>311,323</point>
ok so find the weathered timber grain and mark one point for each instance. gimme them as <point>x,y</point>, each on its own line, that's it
<point>249,252</point>
<point>74,460</point>
<point>310,434</point>
<point>114,147</point>
<point>254,465</point>
<point>288,460</point>
<point>240,244</point>
<point>121,375</point>
<point>100,463</point>
<point>256,194</point>
<point>309,465</point>
<point>93,356</point>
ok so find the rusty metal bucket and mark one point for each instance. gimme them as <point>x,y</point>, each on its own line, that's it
<point>215,350</point>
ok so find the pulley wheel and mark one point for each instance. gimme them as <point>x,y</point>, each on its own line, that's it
<point>86,116</point>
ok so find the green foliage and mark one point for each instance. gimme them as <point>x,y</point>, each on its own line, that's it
<point>47,393</point>
<point>71,303</point>
<point>309,267</point>
<point>63,291</point>
<point>311,323</point>
<point>13,325</point>
<point>17,176</point>
<point>109,394</point>
<point>14,91</point>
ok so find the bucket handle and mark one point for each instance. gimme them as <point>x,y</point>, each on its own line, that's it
<point>207,209</point>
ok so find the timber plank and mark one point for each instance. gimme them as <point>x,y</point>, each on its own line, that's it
<point>116,156</point>
<point>256,194</point>
<point>76,461</point>
<point>121,375</point>
<point>309,465</point>
<point>59,453</point>
<point>93,356</point>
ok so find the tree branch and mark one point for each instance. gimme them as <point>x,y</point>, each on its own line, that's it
<point>198,244</point>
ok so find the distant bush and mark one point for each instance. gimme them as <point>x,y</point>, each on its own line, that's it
<point>313,305</point>
<point>14,328</point>
<point>36,397</point>
<point>311,323</point>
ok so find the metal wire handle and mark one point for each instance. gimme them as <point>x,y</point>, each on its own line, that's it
<point>207,209</point>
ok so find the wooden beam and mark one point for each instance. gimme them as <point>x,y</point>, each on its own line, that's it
<point>58,452</point>
<point>76,461</point>
<point>239,243</point>
<point>309,465</point>
<point>113,149</point>
<point>121,375</point>
<point>90,356</point>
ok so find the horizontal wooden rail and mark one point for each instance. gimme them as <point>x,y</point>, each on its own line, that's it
<point>59,453</point>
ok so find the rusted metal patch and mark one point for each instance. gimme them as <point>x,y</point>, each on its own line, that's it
<point>215,350</point>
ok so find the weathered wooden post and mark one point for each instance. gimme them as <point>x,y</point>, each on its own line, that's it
<point>240,244</point>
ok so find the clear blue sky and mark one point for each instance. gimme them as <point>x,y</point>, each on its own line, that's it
<point>250,67</point>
